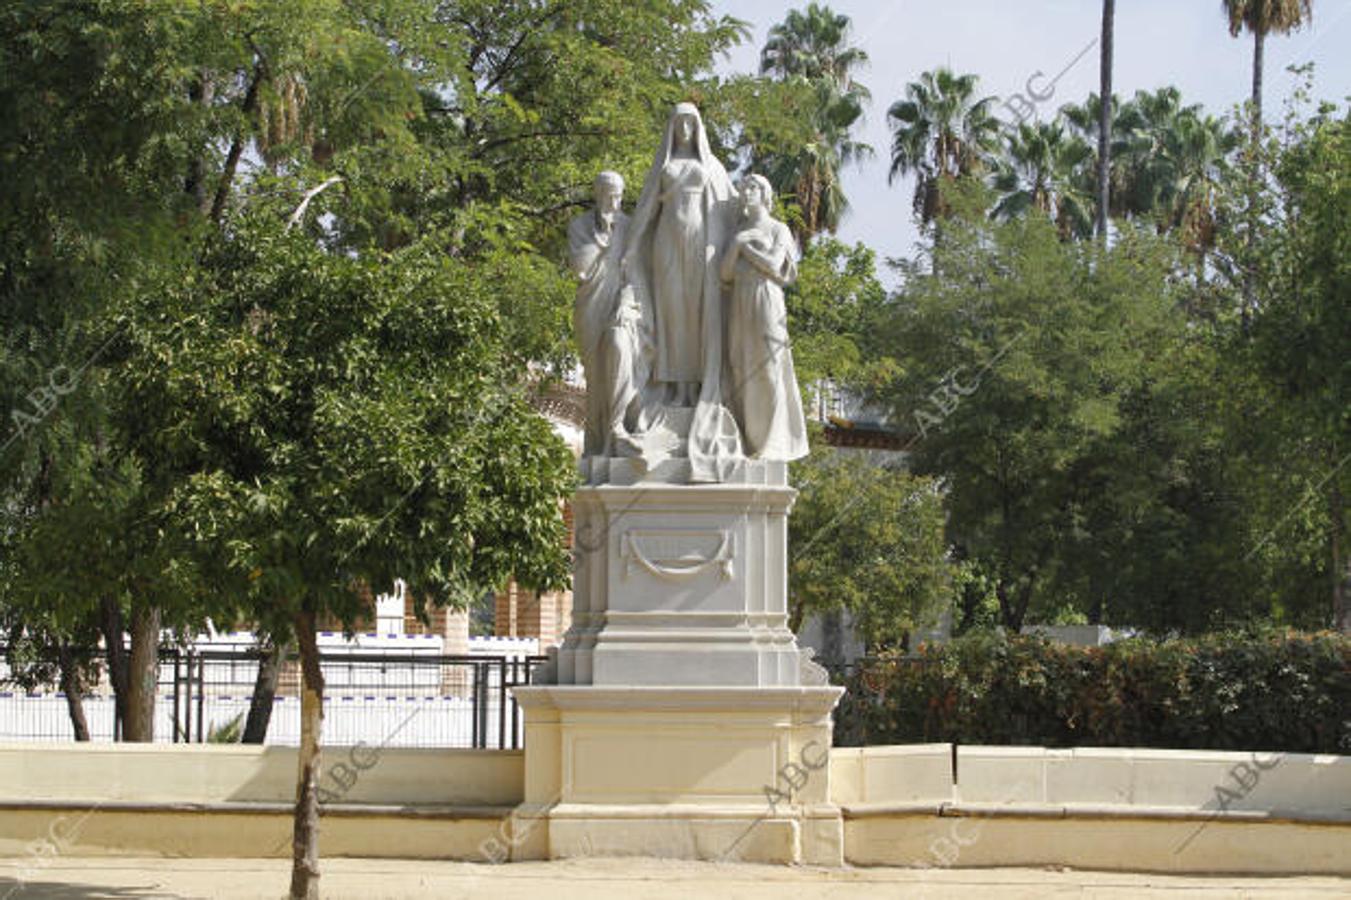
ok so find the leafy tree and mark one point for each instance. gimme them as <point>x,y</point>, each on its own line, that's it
<point>940,132</point>
<point>1158,537</point>
<point>97,136</point>
<point>867,539</point>
<point>419,146</point>
<point>1019,354</point>
<point>1260,18</point>
<point>42,649</point>
<point>1298,343</point>
<point>834,310</point>
<point>341,420</point>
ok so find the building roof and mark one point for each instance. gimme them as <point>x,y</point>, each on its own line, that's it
<point>844,433</point>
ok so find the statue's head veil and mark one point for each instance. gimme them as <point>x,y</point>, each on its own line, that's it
<point>719,181</point>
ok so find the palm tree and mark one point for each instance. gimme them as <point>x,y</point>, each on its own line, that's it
<point>1171,159</point>
<point>1143,126</point>
<point>1043,167</point>
<point>1197,150</point>
<point>1084,122</point>
<point>1260,17</point>
<point>1104,117</point>
<point>813,47</point>
<point>940,132</point>
<point>1263,17</point>
<point>814,44</point>
<point>811,175</point>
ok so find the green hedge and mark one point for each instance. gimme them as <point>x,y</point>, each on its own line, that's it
<point>1281,692</point>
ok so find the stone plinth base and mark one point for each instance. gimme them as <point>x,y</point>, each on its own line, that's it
<point>691,773</point>
<point>680,584</point>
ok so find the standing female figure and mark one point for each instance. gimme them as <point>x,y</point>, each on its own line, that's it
<point>677,228</point>
<point>763,392</point>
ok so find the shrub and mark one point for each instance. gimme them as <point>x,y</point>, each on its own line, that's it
<point>1268,692</point>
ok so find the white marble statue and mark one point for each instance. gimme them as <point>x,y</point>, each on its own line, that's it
<point>607,321</point>
<point>762,390</point>
<point>681,322</point>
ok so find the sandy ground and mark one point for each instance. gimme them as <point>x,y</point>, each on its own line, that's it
<point>629,879</point>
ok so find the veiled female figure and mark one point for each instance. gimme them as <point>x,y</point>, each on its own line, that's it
<point>676,235</point>
<point>763,391</point>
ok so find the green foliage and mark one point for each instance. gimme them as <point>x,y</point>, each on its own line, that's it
<point>227,732</point>
<point>1121,438</point>
<point>338,420</point>
<point>1168,164</point>
<point>250,405</point>
<point>834,310</point>
<point>1300,335</point>
<point>1045,168</point>
<point>1261,692</point>
<point>867,539</point>
<point>1296,349</point>
<point>1021,357</point>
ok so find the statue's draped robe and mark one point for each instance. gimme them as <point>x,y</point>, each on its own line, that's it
<point>678,261</point>
<point>762,387</point>
<point>683,253</point>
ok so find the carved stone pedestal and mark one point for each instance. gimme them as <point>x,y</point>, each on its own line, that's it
<point>690,773</point>
<point>679,718</point>
<point>681,584</point>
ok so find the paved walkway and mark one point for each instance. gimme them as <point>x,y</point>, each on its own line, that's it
<point>602,879</point>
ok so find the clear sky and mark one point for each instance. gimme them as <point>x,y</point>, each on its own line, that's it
<point>1005,42</point>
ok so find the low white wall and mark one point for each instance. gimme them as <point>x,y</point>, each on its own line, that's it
<point>1296,783</point>
<point>1151,810</point>
<point>235,801</point>
<point>206,773</point>
<point>919,774</point>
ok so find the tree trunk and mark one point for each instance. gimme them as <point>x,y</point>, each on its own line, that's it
<point>1095,610</point>
<point>1259,40</point>
<point>1001,592</point>
<point>116,652</point>
<point>74,691</point>
<point>264,692</point>
<point>142,674</point>
<point>1259,43</point>
<point>237,145</point>
<point>1105,116</point>
<point>305,842</point>
<point>201,93</point>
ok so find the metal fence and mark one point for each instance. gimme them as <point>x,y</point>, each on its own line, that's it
<point>392,698</point>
